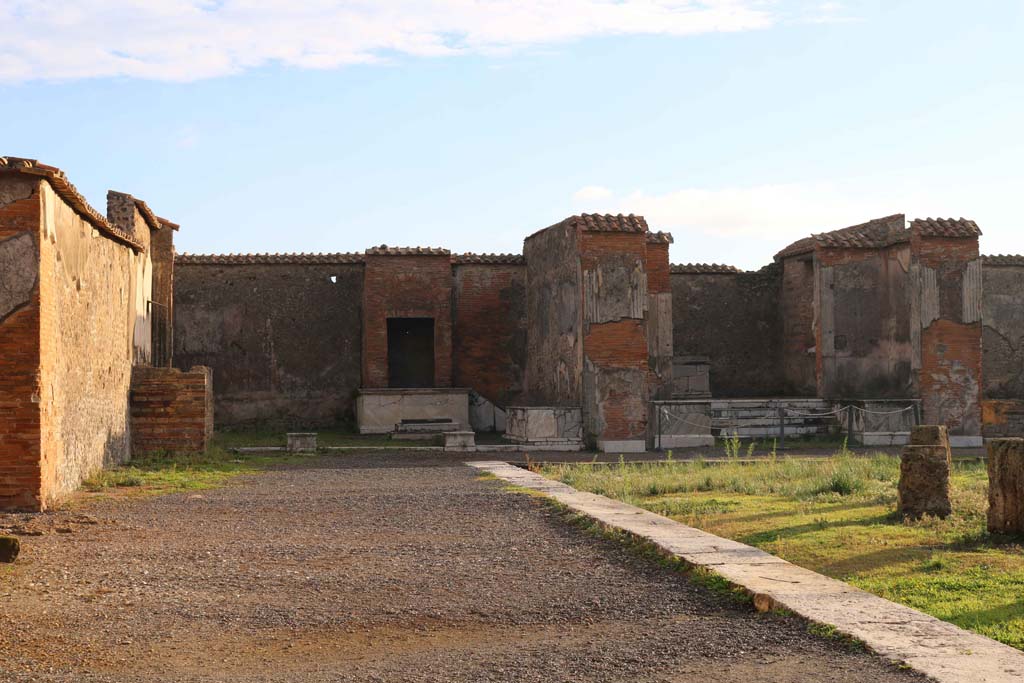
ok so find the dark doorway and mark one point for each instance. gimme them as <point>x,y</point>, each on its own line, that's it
<point>410,352</point>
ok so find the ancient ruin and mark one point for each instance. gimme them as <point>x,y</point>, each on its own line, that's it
<point>590,337</point>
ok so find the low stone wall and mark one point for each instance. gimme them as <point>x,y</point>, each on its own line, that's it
<point>172,410</point>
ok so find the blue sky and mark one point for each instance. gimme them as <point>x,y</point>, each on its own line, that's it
<point>738,125</point>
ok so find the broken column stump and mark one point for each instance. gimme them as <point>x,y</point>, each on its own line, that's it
<point>924,474</point>
<point>1006,486</point>
<point>10,546</point>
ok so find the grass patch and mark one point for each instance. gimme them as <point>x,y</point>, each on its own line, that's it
<point>174,473</point>
<point>837,516</point>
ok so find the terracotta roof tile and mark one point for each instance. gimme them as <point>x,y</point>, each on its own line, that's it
<point>875,234</point>
<point>659,237</point>
<point>704,269</point>
<point>597,222</point>
<point>1003,260</point>
<point>491,259</point>
<point>66,191</point>
<point>170,224</point>
<point>385,250</point>
<point>267,259</point>
<point>945,227</point>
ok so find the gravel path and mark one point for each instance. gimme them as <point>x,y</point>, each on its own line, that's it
<point>374,568</point>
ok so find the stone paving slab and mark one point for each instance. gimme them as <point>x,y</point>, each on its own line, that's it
<point>936,648</point>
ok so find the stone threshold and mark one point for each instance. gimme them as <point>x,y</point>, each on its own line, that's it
<point>938,649</point>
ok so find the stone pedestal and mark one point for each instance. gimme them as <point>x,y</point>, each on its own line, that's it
<point>924,482</point>
<point>301,442</point>
<point>379,410</point>
<point>460,441</point>
<point>1006,486</point>
<point>547,427</point>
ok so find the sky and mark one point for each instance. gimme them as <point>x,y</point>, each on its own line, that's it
<point>326,126</point>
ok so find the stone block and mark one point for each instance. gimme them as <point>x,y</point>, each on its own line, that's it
<point>622,446</point>
<point>460,441</point>
<point>301,442</point>
<point>1006,486</point>
<point>538,424</point>
<point>379,410</point>
<point>924,482</point>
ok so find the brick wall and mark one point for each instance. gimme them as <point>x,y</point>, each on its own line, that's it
<point>283,338</point>
<point>172,410</point>
<point>413,286</point>
<point>20,415</point>
<point>92,293</point>
<point>734,319</point>
<point>489,336</point>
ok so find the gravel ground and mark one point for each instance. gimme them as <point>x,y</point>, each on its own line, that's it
<point>373,568</point>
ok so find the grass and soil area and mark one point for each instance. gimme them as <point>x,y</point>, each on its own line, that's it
<point>837,516</point>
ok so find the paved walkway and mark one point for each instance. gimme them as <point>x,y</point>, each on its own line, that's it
<point>375,568</point>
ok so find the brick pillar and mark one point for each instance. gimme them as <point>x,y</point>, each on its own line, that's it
<point>172,410</point>
<point>946,325</point>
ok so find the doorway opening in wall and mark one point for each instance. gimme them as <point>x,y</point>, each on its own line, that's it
<point>410,353</point>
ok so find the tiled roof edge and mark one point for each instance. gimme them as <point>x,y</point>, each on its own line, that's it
<point>489,259</point>
<point>66,191</point>
<point>704,269</point>
<point>1003,260</point>
<point>267,259</point>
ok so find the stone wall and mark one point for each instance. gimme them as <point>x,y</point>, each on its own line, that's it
<point>93,293</point>
<point>20,416</point>
<point>406,283</point>
<point>1003,332</point>
<point>660,331</point>
<point>171,410</point>
<point>733,319</point>
<point>799,342</point>
<point>613,267</point>
<point>554,357</point>
<point>282,335</point>
<point>947,321</point>
<point>864,343</point>
<point>489,335</point>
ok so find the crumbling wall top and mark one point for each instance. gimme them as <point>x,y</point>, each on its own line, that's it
<point>66,191</point>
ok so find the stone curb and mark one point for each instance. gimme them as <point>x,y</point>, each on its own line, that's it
<point>933,647</point>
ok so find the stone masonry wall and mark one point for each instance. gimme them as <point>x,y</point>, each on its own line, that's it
<point>615,349</point>
<point>283,339</point>
<point>90,292</point>
<point>20,415</point>
<point>864,347</point>
<point>554,358</point>
<point>406,286</point>
<point>734,319</point>
<point>1003,332</point>
<point>799,343</point>
<point>489,335</point>
<point>947,313</point>
<point>172,411</point>
<point>660,343</point>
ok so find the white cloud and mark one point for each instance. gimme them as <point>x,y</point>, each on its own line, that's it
<point>185,40</point>
<point>777,214</point>
<point>591,193</point>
